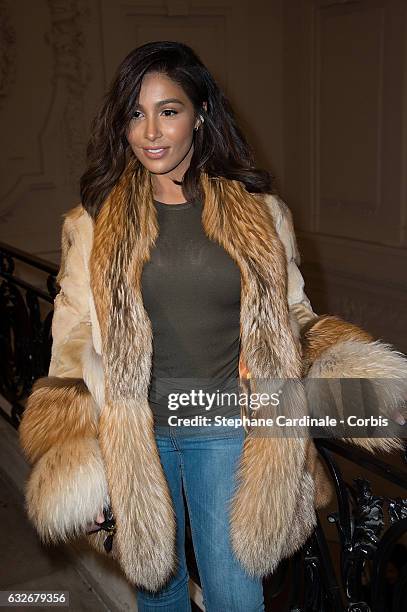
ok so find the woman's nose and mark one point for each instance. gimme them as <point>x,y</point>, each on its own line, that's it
<point>152,129</point>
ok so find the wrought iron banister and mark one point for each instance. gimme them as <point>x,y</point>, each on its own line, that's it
<point>32,260</point>
<point>364,542</point>
<point>25,325</point>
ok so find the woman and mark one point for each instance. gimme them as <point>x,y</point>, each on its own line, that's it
<point>179,271</point>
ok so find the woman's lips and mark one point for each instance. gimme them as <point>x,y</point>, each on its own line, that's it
<point>155,154</point>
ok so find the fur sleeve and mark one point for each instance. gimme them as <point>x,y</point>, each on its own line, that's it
<point>336,349</point>
<point>299,305</point>
<point>71,328</point>
<point>58,432</point>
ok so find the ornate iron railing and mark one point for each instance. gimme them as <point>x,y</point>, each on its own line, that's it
<point>25,325</point>
<point>368,525</point>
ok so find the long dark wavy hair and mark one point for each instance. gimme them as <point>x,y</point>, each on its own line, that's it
<point>220,149</point>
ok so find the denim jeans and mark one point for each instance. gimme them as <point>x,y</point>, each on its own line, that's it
<point>203,461</point>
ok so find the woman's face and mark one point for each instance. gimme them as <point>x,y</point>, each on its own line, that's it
<point>164,118</point>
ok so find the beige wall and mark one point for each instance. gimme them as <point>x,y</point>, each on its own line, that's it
<point>345,156</point>
<point>58,57</point>
<point>320,88</point>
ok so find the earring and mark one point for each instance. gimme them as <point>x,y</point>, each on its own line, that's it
<point>202,120</point>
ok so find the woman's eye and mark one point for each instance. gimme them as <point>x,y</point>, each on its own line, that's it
<point>167,110</point>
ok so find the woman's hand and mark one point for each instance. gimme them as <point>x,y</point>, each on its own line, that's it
<point>398,417</point>
<point>97,522</point>
<point>106,516</point>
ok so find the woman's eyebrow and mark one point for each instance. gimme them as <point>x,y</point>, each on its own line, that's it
<point>163,102</point>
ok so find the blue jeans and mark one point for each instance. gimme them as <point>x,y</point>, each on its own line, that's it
<point>203,461</point>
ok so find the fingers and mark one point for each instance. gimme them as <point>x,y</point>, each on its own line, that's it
<point>97,522</point>
<point>398,417</point>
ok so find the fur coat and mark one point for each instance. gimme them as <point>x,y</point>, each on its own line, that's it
<point>87,429</point>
